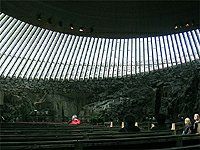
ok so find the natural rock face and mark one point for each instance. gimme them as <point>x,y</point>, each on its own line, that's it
<point>171,91</point>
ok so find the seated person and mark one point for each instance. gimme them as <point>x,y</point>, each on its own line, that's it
<point>129,124</point>
<point>187,127</point>
<point>75,120</point>
<point>160,123</point>
<point>195,124</point>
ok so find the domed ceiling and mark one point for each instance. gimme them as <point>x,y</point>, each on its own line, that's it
<point>119,19</point>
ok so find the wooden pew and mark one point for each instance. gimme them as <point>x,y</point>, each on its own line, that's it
<point>140,142</point>
<point>151,142</point>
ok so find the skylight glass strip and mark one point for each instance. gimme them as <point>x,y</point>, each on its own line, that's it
<point>94,59</point>
<point>62,62</point>
<point>119,68</point>
<point>11,54</point>
<point>196,32</point>
<point>87,59</point>
<point>16,46</point>
<point>49,49</point>
<point>18,63</point>
<point>74,61</point>
<point>123,58</point>
<point>196,44</point>
<point>5,21</point>
<point>172,51</point>
<point>33,48</point>
<point>169,51</point>
<point>91,59</point>
<point>156,54</point>
<point>17,55</point>
<point>59,57</point>
<point>113,56</point>
<point>33,70</point>
<point>3,18</point>
<point>100,72</point>
<point>161,53</point>
<point>136,55</point>
<point>143,67</point>
<point>8,40</point>
<point>176,47</point>
<point>151,56</point>
<point>126,57</point>
<point>164,48</point>
<point>104,60</point>
<point>77,69</point>
<point>129,57</point>
<point>52,59</point>
<point>55,64</point>
<point>152,53</point>
<point>5,31</point>
<point>64,73</point>
<point>188,46</point>
<point>139,54</point>
<point>26,49</point>
<point>82,63</point>
<point>180,45</point>
<point>117,56</point>
<point>191,44</point>
<point>71,57</point>
<point>109,66</point>
<point>185,48</point>
<point>147,55</point>
<point>107,56</point>
<point>97,65</point>
<point>8,36</point>
<point>12,49</point>
<point>132,53</point>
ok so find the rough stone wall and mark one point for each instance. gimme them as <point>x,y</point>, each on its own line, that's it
<point>171,91</point>
<point>174,92</point>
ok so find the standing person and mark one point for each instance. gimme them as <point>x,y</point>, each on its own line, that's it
<point>195,124</point>
<point>160,122</point>
<point>188,126</point>
<point>129,126</point>
<point>75,120</point>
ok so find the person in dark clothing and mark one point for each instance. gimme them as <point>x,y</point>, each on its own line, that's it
<point>129,124</point>
<point>160,123</point>
<point>195,124</point>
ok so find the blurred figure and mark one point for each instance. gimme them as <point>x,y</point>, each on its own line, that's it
<point>160,123</point>
<point>187,127</point>
<point>75,120</point>
<point>129,124</point>
<point>195,124</point>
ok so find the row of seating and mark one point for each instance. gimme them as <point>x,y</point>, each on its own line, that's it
<point>124,142</point>
<point>89,137</point>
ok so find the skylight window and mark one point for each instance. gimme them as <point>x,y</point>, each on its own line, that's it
<point>27,51</point>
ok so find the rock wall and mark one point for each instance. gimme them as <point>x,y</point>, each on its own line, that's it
<point>173,91</point>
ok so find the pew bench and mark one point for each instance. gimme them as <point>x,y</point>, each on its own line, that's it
<point>123,142</point>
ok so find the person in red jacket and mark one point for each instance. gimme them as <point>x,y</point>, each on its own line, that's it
<point>75,120</point>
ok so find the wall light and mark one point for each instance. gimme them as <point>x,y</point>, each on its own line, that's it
<point>81,29</point>
<point>71,27</point>
<point>187,25</point>
<point>39,17</point>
